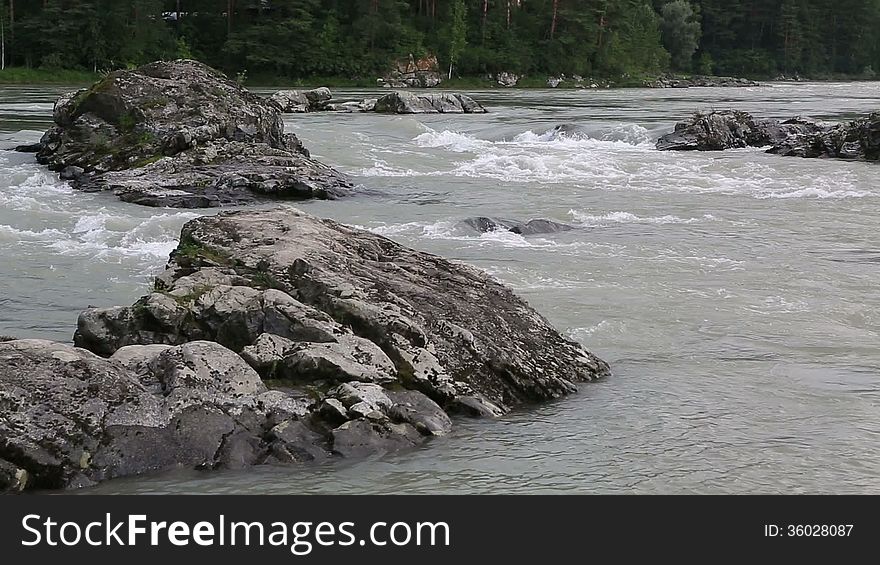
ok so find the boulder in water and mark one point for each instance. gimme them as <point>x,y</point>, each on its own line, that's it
<point>375,345</point>
<point>801,137</point>
<point>301,101</point>
<point>224,144</point>
<point>399,102</point>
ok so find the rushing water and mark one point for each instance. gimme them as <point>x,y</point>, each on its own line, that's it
<point>734,294</point>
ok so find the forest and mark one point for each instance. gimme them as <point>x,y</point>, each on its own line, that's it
<point>299,39</point>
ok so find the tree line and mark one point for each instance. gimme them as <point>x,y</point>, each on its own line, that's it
<point>358,38</point>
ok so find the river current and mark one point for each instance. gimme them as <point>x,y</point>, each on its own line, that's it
<point>734,294</point>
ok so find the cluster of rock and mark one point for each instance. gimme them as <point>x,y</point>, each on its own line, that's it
<point>413,73</point>
<point>180,134</point>
<point>576,81</point>
<point>275,338</point>
<point>401,102</point>
<point>800,137</point>
<point>302,101</point>
<point>672,81</point>
<point>397,102</point>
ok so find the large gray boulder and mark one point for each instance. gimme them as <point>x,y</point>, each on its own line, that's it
<point>402,102</point>
<point>222,143</point>
<point>444,329</point>
<point>275,338</point>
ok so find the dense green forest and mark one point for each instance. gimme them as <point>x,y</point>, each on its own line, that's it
<point>358,38</point>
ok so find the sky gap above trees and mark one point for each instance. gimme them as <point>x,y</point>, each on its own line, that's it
<point>359,38</point>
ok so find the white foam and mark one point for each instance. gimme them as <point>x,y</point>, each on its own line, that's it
<point>818,193</point>
<point>451,140</point>
<point>381,168</point>
<point>619,158</point>
<point>590,220</point>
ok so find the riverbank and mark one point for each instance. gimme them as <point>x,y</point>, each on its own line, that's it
<point>21,75</point>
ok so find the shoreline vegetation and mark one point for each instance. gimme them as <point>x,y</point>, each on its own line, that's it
<point>419,43</point>
<point>26,76</point>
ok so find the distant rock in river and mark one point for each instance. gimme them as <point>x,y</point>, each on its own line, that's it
<point>800,137</point>
<point>403,102</point>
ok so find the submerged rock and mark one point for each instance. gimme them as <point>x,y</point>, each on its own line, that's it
<point>483,224</point>
<point>180,134</point>
<point>442,103</point>
<point>801,137</point>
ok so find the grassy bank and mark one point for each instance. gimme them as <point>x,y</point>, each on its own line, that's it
<point>21,75</point>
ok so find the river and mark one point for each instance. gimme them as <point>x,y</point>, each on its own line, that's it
<point>734,293</point>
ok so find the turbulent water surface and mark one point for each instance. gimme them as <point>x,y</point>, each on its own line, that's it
<point>733,293</point>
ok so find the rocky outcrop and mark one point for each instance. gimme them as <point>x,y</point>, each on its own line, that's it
<point>858,139</point>
<point>442,103</point>
<point>699,81</point>
<point>275,338</point>
<point>801,137</point>
<point>483,224</point>
<point>239,275</point>
<point>413,73</point>
<point>223,144</point>
<point>301,101</point>
<point>716,131</point>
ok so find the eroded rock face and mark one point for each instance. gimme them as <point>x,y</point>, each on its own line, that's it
<point>800,137</point>
<point>436,103</point>
<point>180,134</point>
<point>69,418</point>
